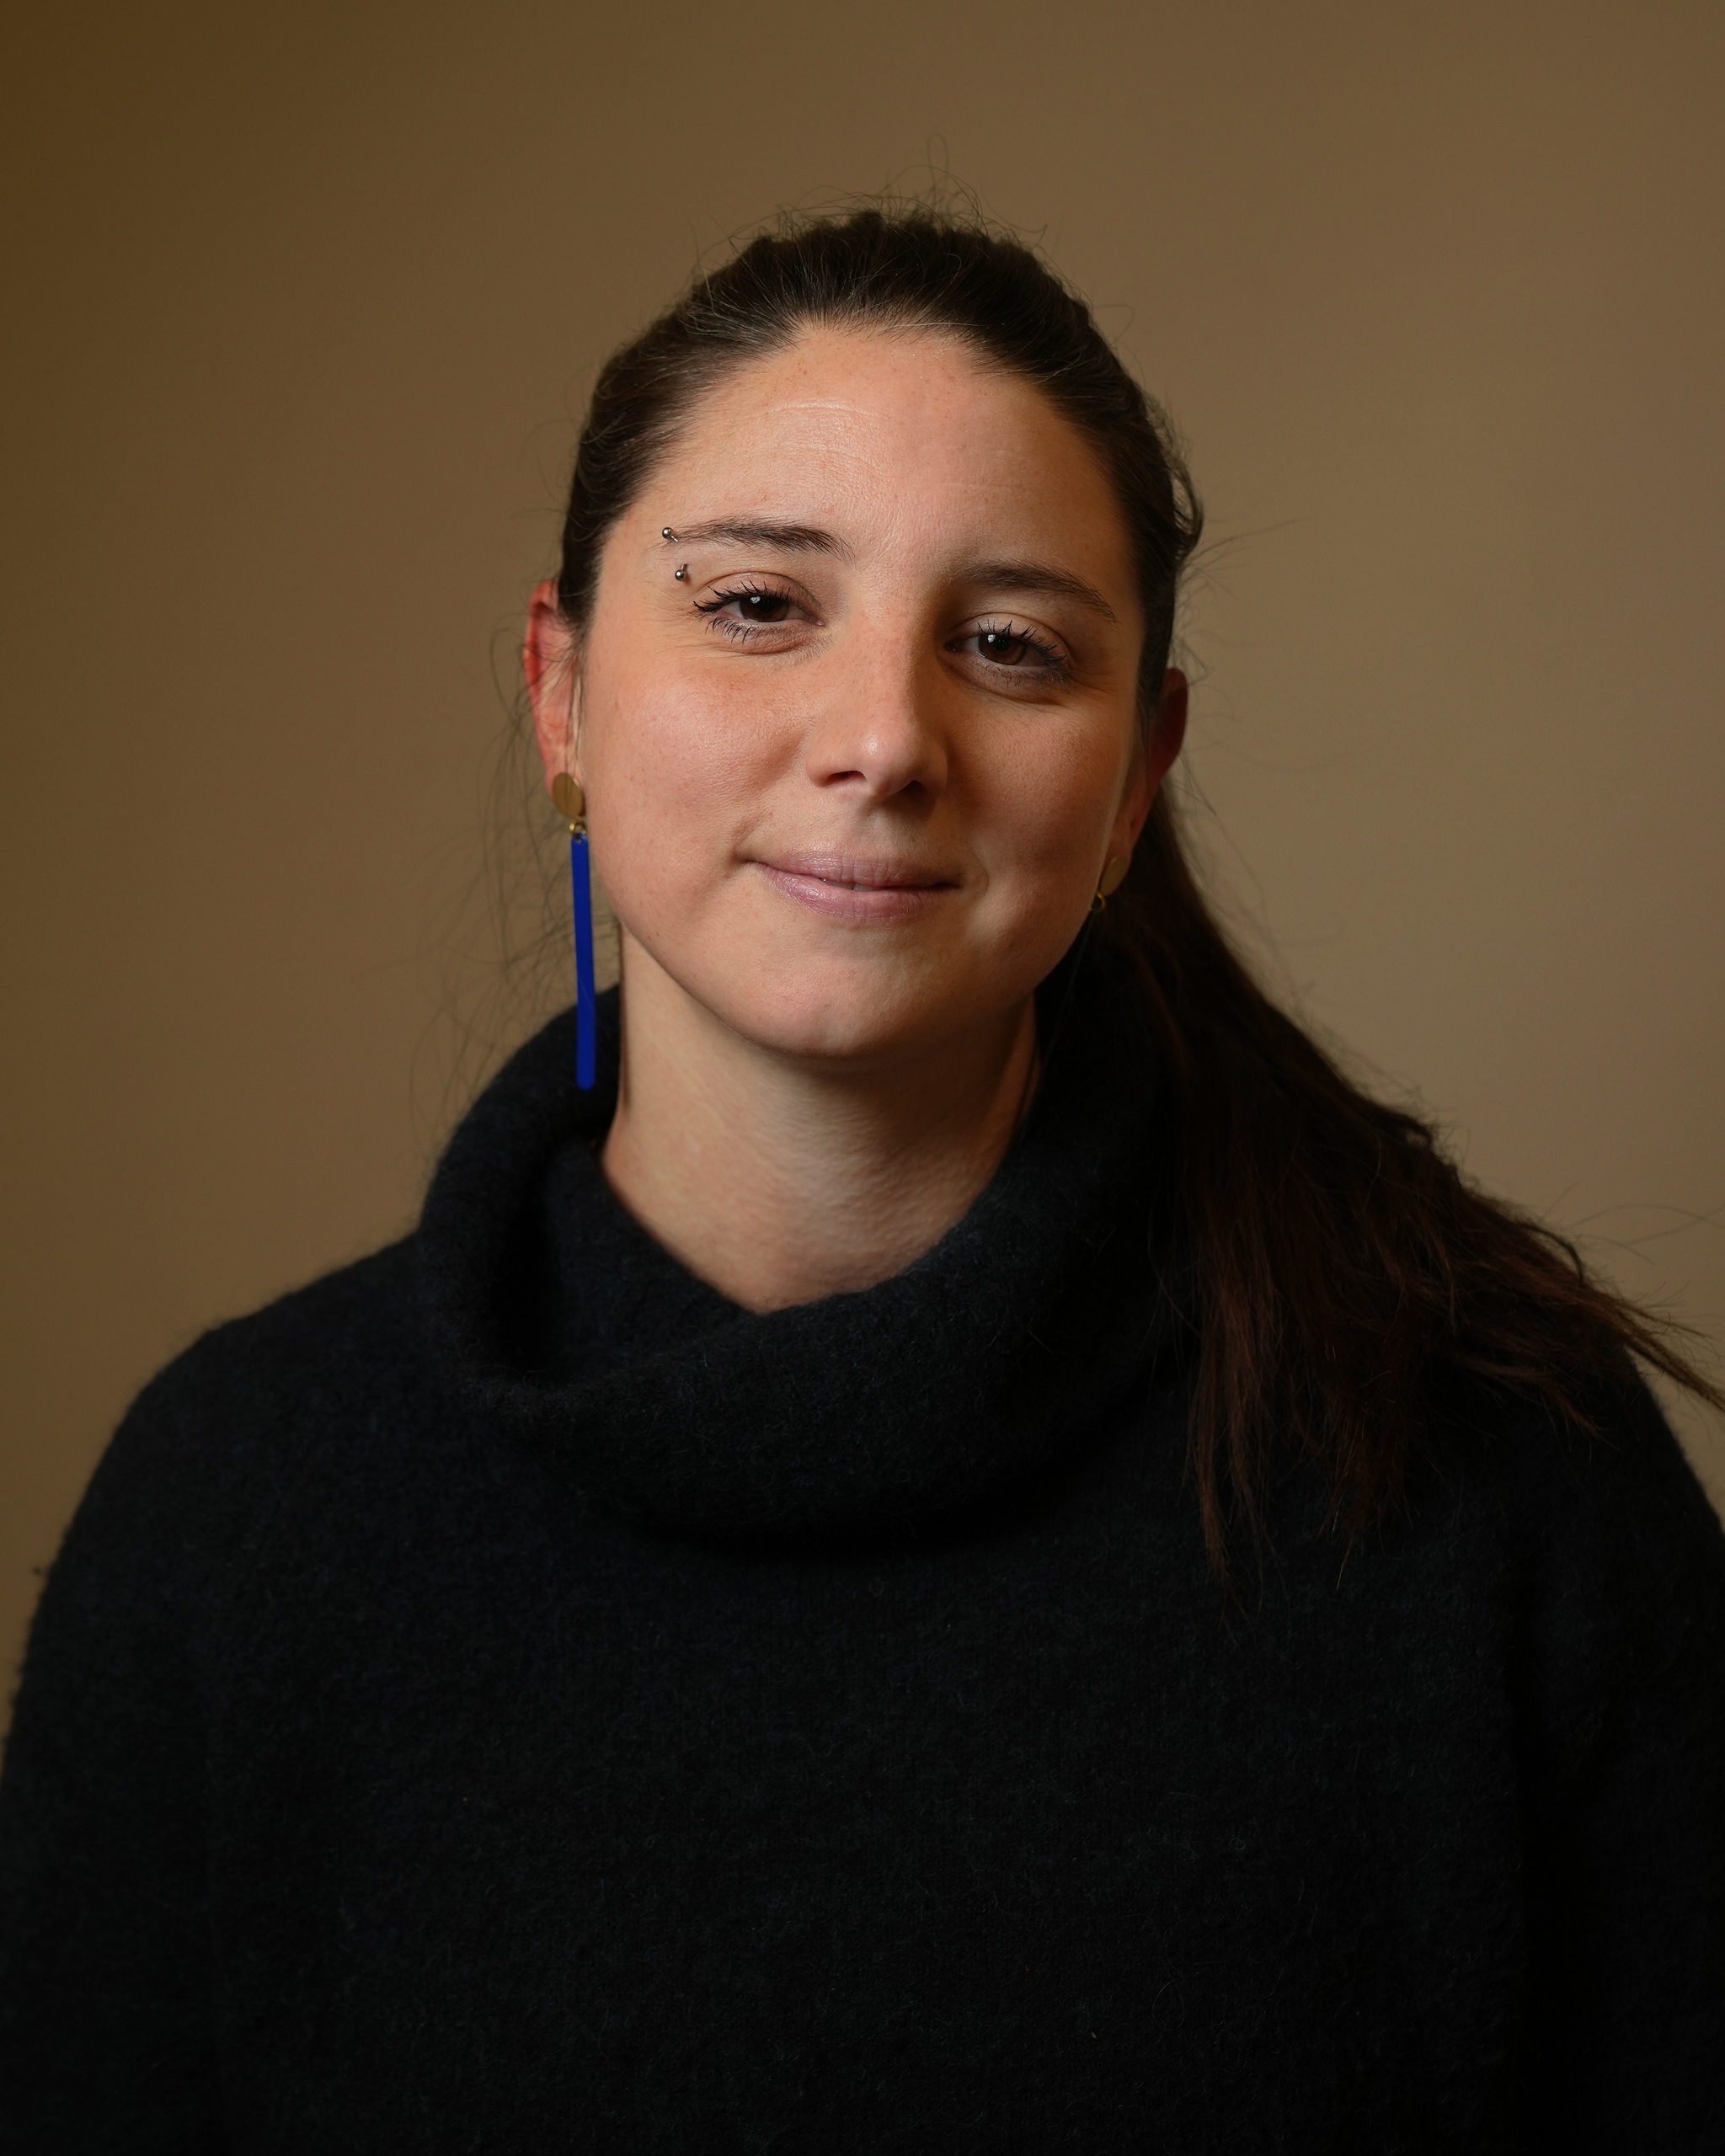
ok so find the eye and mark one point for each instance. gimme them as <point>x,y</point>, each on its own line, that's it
<point>1011,645</point>
<point>760,605</point>
<point>1004,647</point>
<point>741,608</point>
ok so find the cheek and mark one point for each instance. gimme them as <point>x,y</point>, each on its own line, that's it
<point>670,776</point>
<point>1047,810</point>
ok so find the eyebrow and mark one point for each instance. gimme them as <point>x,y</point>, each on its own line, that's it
<point>1039,577</point>
<point>753,531</point>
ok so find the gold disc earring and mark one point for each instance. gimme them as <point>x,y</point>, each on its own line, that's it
<point>1113,874</point>
<point>571,802</point>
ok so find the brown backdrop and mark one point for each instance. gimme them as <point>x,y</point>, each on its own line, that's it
<point>309,295</point>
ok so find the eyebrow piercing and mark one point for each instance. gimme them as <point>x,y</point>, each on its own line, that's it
<point>681,574</point>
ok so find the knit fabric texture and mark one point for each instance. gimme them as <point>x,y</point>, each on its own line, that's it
<point>505,1698</point>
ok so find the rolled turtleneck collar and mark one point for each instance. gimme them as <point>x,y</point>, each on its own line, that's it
<point>984,1366</point>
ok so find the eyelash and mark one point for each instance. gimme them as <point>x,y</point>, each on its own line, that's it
<point>729,625</point>
<point>1054,661</point>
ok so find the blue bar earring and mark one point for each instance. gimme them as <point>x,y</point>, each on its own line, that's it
<point>572,803</point>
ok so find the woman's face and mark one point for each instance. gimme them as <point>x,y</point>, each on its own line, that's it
<point>852,781</point>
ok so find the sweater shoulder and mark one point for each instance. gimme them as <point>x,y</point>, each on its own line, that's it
<point>1616,1554</point>
<point>333,1341</point>
<point>1613,1478</point>
<point>194,1480</point>
<point>364,1312</point>
<point>226,1427</point>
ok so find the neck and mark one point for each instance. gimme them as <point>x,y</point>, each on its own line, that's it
<point>780,1180</point>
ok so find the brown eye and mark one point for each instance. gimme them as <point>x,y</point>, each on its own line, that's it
<point>760,605</point>
<point>1003,648</point>
<point>746,607</point>
<point>1020,651</point>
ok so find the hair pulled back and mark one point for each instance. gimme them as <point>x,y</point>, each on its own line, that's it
<point>907,273</point>
<point>1334,1267</point>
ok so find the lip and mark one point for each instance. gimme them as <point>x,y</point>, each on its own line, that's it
<point>857,887</point>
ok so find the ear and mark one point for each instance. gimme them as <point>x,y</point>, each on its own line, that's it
<point>550,662</point>
<point>1162,738</point>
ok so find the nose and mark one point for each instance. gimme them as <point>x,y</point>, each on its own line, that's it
<point>878,733</point>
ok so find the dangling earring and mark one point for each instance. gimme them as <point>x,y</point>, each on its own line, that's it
<point>1113,874</point>
<point>571,802</point>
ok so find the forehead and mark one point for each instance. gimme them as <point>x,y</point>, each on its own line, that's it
<point>897,433</point>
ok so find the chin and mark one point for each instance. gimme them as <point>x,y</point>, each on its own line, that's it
<point>845,1013</point>
<point>858,1027</point>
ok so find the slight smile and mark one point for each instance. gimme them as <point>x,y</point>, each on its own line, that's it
<point>853,887</point>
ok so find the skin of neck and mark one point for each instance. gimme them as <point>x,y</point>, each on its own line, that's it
<point>779,1180</point>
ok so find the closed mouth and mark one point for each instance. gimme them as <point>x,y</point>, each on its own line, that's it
<point>855,886</point>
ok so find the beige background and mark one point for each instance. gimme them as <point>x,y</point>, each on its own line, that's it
<point>309,295</point>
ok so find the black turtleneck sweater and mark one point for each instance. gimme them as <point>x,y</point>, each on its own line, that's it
<point>504,1697</point>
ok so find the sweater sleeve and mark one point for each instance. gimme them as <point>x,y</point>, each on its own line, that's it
<point>1626,1821</point>
<point>105,2024</point>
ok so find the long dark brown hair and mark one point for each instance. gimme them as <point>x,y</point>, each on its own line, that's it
<point>1339,1267</point>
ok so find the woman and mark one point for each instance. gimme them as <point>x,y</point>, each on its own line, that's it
<point>971,1551</point>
